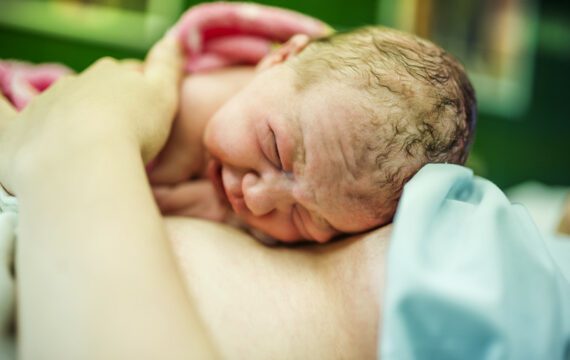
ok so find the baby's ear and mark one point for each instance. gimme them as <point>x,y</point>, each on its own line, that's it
<point>291,48</point>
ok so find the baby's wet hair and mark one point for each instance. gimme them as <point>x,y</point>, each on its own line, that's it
<point>421,104</point>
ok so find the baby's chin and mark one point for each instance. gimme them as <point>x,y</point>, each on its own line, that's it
<point>263,237</point>
<point>236,221</point>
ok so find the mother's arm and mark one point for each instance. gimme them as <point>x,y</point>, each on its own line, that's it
<point>95,272</point>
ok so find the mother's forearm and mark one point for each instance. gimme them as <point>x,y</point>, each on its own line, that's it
<point>96,275</point>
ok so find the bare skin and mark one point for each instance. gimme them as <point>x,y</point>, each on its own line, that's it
<point>179,180</point>
<point>303,302</point>
<point>283,303</point>
<point>253,302</point>
<point>96,276</point>
<point>291,302</point>
<point>201,95</point>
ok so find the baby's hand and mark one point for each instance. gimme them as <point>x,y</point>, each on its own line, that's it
<point>199,199</point>
<point>192,198</point>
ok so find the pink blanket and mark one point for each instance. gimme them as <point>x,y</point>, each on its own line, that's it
<point>213,35</point>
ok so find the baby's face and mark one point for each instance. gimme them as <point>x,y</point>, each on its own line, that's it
<point>284,160</point>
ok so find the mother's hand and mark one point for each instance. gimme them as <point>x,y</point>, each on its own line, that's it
<point>107,104</point>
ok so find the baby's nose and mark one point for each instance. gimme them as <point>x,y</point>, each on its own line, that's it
<point>262,195</point>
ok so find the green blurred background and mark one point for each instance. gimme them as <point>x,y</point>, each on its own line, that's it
<point>520,137</point>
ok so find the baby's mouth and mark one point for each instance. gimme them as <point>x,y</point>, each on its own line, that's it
<point>214,173</point>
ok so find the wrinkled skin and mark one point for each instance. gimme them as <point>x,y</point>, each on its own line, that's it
<point>281,158</point>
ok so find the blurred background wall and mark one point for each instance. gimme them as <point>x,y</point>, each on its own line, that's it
<point>517,51</point>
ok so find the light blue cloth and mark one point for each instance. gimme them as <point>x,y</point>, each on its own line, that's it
<point>469,276</point>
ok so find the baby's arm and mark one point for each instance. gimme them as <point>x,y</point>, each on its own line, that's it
<point>202,95</point>
<point>174,176</point>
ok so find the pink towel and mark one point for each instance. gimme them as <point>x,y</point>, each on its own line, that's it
<point>219,34</point>
<point>213,35</point>
<point>21,81</point>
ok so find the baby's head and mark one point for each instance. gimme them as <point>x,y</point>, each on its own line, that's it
<point>323,139</point>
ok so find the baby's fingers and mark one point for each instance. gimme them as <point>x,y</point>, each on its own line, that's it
<point>171,199</point>
<point>192,198</point>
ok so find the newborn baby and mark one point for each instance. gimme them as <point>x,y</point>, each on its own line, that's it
<point>321,139</point>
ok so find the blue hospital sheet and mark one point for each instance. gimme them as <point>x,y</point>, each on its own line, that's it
<point>470,277</point>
